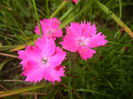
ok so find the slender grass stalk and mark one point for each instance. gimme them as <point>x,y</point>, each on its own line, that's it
<point>32,93</point>
<point>21,46</point>
<point>37,17</point>
<point>58,9</point>
<point>91,91</point>
<point>114,43</point>
<point>67,22</point>
<point>66,14</point>
<point>6,47</point>
<point>115,18</point>
<point>72,18</point>
<point>69,87</point>
<point>8,55</point>
<point>120,8</point>
<point>21,90</point>
<point>123,4</point>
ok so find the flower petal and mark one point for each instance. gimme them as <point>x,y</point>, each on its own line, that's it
<point>86,52</point>
<point>52,74</point>
<point>30,53</point>
<point>46,45</point>
<point>97,40</point>
<point>57,58</point>
<point>33,71</point>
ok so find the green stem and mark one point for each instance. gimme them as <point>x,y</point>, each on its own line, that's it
<point>66,14</point>
<point>19,47</point>
<point>120,8</point>
<point>67,22</point>
<point>73,17</point>
<point>36,13</point>
<point>115,18</point>
<point>58,9</point>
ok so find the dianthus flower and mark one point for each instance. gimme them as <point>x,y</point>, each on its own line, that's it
<point>82,38</point>
<point>75,1</point>
<point>42,61</point>
<point>50,28</point>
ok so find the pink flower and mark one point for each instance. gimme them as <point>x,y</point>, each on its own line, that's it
<point>50,28</point>
<point>75,1</point>
<point>82,38</point>
<point>42,61</point>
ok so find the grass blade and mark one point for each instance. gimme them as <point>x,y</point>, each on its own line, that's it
<point>21,90</point>
<point>115,18</point>
<point>36,13</point>
<point>58,9</point>
<point>19,47</point>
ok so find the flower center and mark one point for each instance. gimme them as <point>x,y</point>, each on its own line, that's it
<point>83,41</point>
<point>50,31</point>
<point>44,60</point>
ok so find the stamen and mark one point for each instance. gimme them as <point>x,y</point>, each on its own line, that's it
<point>44,60</point>
<point>82,41</point>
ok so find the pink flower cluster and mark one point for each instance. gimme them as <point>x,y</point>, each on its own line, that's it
<point>44,59</point>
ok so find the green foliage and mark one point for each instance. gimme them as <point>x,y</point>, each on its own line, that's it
<point>108,75</point>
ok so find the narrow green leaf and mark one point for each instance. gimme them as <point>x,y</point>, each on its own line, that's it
<point>88,90</point>
<point>66,14</point>
<point>120,8</point>
<point>21,90</point>
<point>21,46</point>
<point>58,9</point>
<point>37,16</point>
<point>6,47</point>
